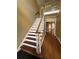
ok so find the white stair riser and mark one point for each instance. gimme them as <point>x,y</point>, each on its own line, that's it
<point>32,36</point>
<point>29,40</point>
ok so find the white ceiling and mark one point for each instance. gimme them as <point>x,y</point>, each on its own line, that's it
<point>43,2</point>
<point>54,4</point>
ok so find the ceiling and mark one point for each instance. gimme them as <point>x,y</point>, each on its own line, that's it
<point>47,2</point>
<point>50,4</point>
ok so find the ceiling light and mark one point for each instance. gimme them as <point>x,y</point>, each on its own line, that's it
<point>51,12</point>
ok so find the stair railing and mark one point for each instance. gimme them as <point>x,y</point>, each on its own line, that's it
<point>40,35</point>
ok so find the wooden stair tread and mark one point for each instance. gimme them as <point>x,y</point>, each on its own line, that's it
<point>28,48</point>
<point>31,35</point>
<point>31,43</point>
<point>32,32</point>
<point>30,51</point>
<point>30,38</point>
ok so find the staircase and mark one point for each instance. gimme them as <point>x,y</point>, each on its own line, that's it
<point>34,38</point>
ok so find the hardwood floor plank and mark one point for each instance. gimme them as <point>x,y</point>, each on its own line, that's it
<point>51,48</point>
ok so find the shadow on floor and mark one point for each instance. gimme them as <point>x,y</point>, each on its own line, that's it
<point>23,55</point>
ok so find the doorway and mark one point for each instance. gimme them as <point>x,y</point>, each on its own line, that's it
<point>50,27</point>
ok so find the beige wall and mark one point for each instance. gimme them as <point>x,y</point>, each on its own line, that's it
<point>58,26</point>
<point>26,10</point>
